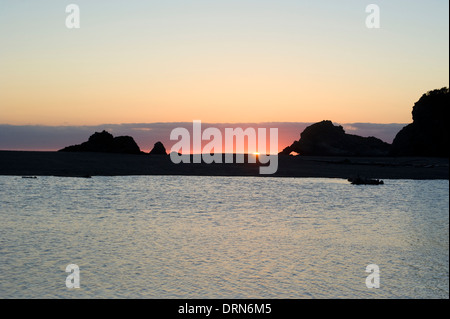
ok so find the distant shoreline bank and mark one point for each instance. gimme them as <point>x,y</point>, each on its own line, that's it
<point>34,163</point>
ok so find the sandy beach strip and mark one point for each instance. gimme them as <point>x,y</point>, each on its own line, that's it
<point>25,163</point>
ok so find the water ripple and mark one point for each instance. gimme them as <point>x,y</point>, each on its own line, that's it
<point>222,237</point>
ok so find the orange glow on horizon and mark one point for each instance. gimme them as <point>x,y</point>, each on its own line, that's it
<point>228,62</point>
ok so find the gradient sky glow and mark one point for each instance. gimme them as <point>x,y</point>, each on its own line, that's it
<point>219,61</point>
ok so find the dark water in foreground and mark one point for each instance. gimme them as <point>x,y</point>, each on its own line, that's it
<point>222,237</point>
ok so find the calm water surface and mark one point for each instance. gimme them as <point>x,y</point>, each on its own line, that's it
<point>222,237</point>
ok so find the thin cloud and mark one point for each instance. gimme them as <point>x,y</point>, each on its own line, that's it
<point>52,138</point>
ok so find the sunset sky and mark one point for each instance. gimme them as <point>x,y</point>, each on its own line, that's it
<point>218,61</point>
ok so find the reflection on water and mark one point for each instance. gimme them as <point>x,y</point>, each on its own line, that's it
<point>222,237</point>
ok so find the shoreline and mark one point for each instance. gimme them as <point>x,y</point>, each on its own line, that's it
<point>67,164</point>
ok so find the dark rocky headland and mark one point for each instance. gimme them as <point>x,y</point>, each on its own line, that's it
<point>429,133</point>
<point>427,136</point>
<point>326,139</point>
<point>104,142</point>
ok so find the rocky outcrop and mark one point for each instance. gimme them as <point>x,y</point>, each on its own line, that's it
<point>326,139</point>
<point>104,142</point>
<point>158,149</point>
<point>428,135</point>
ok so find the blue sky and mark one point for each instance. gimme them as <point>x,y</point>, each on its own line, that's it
<point>218,61</point>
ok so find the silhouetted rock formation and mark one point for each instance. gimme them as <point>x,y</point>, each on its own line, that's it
<point>104,142</point>
<point>158,149</point>
<point>428,135</point>
<point>326,139</point>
